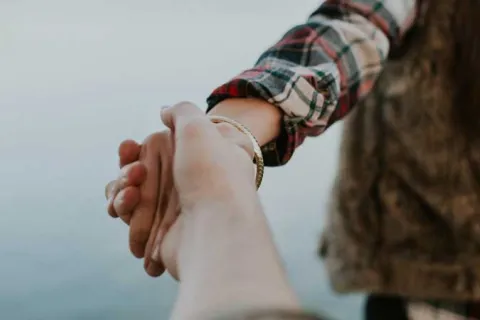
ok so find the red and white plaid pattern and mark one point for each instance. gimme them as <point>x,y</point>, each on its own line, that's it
<point>317,72</point>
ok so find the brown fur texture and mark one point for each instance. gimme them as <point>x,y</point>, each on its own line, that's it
<point>405,217</point>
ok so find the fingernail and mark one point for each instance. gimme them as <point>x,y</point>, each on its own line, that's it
<point>164,107</point>
<point>120,198</point>
<point>156,248</point>
<point>156,253</point>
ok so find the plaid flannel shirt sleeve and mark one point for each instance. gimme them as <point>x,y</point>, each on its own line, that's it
<point>319,70</point>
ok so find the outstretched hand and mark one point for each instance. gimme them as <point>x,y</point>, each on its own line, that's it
<point>144,195</point>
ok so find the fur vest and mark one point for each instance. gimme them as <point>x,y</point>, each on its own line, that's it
<point>405,215</point>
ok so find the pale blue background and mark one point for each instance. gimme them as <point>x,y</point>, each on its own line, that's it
<point>76,78</point>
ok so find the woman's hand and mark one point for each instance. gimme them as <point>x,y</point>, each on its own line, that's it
<point>144,195</point>
<point>221,242</point>
<point>209,158</point>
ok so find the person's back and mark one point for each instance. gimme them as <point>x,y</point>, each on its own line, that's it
<point>405,219</point>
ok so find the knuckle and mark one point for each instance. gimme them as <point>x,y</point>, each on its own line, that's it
<point>193,128</point>
<point>153,138</point>
<point>184,103</point>
<point>182,107</point>
<point>132,171</point>
<point>126,145</point>
<point>156,142</point>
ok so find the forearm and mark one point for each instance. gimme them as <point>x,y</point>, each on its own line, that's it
<point>316,73</point>
<point>228,262</point>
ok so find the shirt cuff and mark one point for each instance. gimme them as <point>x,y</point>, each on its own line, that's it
<point>306,102</point>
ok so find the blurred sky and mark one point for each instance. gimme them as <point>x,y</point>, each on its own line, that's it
<point>78,77</point>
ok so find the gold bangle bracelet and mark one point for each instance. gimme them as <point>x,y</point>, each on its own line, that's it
<point>257,151</point>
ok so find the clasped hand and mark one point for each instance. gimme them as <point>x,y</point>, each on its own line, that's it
<point>192,163</point>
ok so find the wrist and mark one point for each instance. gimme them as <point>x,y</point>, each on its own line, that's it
<point>246,141</point>
<point>225,197</point>
<point>262,118</point>
<point>218,219</point>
